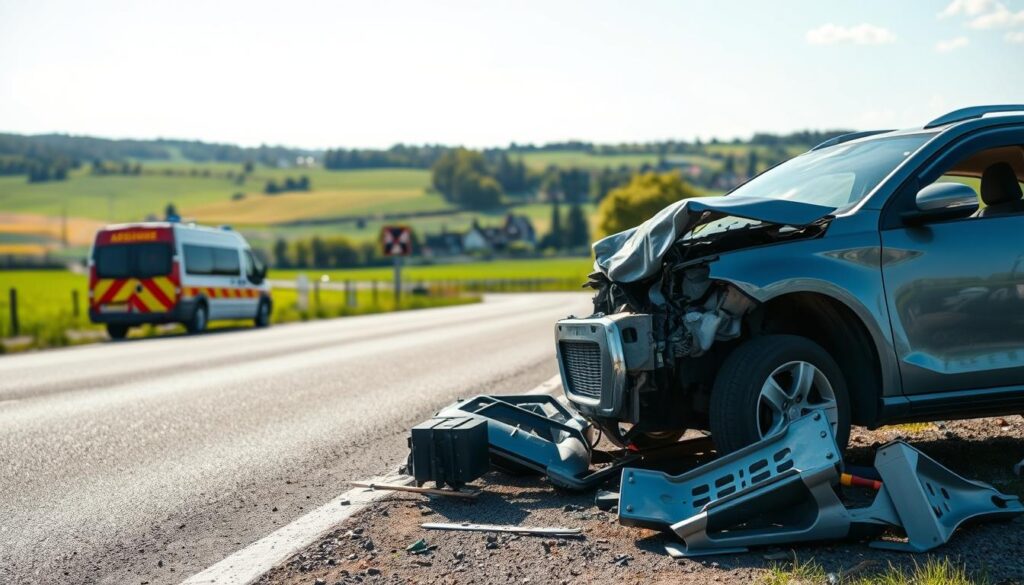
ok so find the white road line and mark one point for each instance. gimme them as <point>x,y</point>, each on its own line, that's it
<point>249,564</point>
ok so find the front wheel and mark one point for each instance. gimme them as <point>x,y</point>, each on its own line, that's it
<point>116,331</point>
<point>769,381</point>
<point>262,314</point>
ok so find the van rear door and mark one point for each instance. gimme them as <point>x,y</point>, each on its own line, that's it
<point>133,271</point>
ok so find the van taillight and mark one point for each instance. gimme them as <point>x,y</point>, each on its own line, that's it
<point>92,279</point>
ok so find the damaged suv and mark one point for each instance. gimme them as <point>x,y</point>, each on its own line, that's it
<point>862,278</point>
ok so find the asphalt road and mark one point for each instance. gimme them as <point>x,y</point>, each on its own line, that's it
<point>146,461</point>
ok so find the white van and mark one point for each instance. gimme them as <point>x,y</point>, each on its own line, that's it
<point>165,272</point>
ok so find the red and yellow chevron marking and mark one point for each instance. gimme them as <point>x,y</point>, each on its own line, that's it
<point>215,292</point>
<point>145,295</point>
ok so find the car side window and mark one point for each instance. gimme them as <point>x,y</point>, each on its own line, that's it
<point>997,177</point>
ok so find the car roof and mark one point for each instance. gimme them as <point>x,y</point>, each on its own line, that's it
<point>971,118</point>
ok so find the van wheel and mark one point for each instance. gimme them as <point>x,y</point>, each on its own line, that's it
<point>262,314</point>
<point>197,324</point>
<point>117,331</point>
<point>771,380</point>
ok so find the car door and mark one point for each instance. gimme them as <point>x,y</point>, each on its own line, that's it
<point>955,288</point>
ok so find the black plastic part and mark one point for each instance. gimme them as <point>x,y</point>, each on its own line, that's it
<point>450,451</point>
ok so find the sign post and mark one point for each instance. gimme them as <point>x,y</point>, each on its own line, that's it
<point>396,241</point>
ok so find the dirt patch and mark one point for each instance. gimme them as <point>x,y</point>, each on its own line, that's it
<point>371,547</point>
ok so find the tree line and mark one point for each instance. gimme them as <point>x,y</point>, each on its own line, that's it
<point>319,252</point>
<point>287,185</point>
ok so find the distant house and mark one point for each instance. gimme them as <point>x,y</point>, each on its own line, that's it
<point>515,228</point>
<point>443,244</point>
<point>475,240</point>
<point>519,228</point>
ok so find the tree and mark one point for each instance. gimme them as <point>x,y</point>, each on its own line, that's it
<point>303,184</point>
<point>729,166</point>
<point>644,196</point>
<point>577,232</point>
<point>321,256</point>
<point>281,259</point>
<point>462,177</point>
<point>248,167</point>
<point>271,188</point>
<point>555,238</point>
<point>752,163</point>
<point>301,254</point>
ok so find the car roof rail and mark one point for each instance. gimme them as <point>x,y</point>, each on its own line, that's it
<point>971,113</point>
<point>848,137</point>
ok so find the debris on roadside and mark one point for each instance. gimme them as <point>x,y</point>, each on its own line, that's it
<point>782,490</point>
<point>529,530</point>
<point>420,547</point>
<point>472,494</point>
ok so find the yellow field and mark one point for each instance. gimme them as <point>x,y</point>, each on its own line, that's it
<point>260,209</point>
<point>80,230</point>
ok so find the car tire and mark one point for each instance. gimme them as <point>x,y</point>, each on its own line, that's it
<point>117,331</point>
<point>771,380</point>
<point>262,314</point>
<point>199,320</point>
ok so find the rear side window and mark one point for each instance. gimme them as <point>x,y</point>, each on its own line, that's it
<point>133,260</point>
<point>198,259</point>
<point>209,260</point>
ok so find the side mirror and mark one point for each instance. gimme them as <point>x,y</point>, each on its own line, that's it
<point>940,201</point>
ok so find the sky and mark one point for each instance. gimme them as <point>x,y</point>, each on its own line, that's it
<point>331,73</point>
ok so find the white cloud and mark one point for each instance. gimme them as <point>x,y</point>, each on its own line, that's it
<point>861,34</point>
<point>1015,37</point>
<point>999,17</point>
<point>966,7</point>
<point>951,44</point>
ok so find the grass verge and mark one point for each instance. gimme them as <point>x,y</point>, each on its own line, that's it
<point>933,571</point>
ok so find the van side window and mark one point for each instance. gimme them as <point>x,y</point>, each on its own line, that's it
<point>225,262</point>
<point>198,259</point>
<point>201,260</point>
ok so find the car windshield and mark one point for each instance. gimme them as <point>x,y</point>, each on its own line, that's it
<point>835,176</point>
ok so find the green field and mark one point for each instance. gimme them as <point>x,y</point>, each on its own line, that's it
<point>574,158</point>
<point>575,269</point>
<point>45,296</point>
<point>46,314</point>
<point>209,199</point>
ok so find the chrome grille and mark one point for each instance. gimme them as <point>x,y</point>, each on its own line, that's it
<point>582,363</point>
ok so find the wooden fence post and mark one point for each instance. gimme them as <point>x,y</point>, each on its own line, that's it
<point>14,312</point>
<point>74,303</point>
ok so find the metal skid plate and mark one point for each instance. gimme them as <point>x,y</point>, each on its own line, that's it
<point>931,500</point>
<point>778,490</point>
<point>653,499</point>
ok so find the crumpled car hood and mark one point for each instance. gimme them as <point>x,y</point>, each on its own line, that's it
<point>636,253</point>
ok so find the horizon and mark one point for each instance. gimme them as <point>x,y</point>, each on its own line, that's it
<point>719,139</point>
<point>326,75</point>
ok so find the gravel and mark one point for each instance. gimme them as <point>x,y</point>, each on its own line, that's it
<point>983,449</point>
